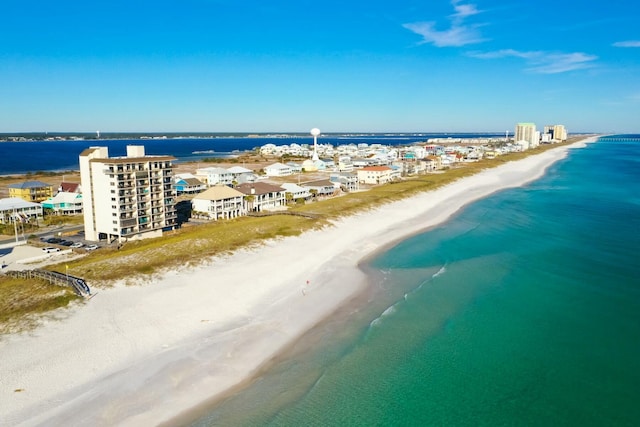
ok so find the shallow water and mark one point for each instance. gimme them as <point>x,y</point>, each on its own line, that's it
<point>523,309</point>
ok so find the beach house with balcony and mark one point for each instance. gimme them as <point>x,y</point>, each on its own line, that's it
<point>128,197</point>
<point>261,196</point>
<point>295,192</point>
<point>242,175</point>
<point>64,203</point>
<point>375,175</point>
<point>322,187</point>
<point>15,209</point>
<point>187,183</point>
<point>219,202</point>
<point>348,181</point>
<point>31,191</point>
<point>278,169</point>
<point>214,176</point>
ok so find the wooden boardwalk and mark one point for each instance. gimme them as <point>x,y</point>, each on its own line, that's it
<point>78,285</point>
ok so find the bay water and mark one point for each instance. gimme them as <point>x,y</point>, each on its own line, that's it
<point>522,309</point>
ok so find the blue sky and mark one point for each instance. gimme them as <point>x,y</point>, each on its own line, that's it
<point>277,66</point>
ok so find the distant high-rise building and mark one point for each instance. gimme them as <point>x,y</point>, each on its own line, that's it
<point>126,197</point>
<point>556,132</point>
<point>527,132</point>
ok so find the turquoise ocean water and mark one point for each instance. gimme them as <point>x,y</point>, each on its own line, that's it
<point>523,309</point>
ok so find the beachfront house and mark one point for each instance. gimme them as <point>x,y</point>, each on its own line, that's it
<point>15,209</point>
<point>261,196</point>
<point>375,175</point>
<point>214,176</point>
<point>64,203</point>
<point>295,192</point>
<point>347,181</point>
<point>31,191</point>
<point>187,183</point>
<point>322,187</point>
<point>278,169</point>
<point>219,202</point>
<point>242,175</point>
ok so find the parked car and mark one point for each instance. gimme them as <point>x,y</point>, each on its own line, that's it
<point>50,249</point>
<point>53,240</point>
<point>66,243</point>
<point>92,247</point>
<point>77,245</point>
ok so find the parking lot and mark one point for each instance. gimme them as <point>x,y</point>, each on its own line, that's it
<point>70,242</point>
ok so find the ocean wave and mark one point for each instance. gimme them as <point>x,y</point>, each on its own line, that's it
<point>389,311</point>
<point>440,272</point>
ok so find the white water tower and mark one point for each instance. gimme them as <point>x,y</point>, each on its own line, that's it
<point>315,132</point>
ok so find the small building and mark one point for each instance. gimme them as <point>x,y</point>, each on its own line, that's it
<point>219,202</point>
<point>242,175</point>
<point>347,181</point>
<point>375,175</point>
<point>214,176</point>
<point>278,169</point>
<point>64,203</point>
<point>188,184</point>
<point>70,187</point>
<point>262,196</point>
<point>15,209</point>
<point>31,191</point>
<point>322,187</point>
<point>296,191</point>
<point>345,164</point>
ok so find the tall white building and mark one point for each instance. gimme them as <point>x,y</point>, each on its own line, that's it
<point>527,132</point>
<point>126,197</point>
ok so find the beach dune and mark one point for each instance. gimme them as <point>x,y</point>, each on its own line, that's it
<point>140,355</point>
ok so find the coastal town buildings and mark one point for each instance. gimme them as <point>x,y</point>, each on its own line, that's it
<point>126,197</point>
<point>31,191</point>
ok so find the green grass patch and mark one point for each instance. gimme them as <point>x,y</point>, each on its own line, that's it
<point>21,300</point>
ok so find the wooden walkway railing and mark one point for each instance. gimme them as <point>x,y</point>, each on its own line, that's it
<point>78,285</point>
<point>272,213</point>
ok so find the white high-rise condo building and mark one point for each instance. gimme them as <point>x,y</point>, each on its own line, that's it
<point>126,197</point>
<point>527,132</point>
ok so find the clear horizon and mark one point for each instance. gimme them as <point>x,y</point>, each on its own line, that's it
<point>219,66</point>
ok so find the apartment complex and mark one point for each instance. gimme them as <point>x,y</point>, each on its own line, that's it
<point>126,197</point>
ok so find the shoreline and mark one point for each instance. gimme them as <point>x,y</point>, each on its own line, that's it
<point>154,353</point>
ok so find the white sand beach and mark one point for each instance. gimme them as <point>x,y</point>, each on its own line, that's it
<point>140,355</point>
